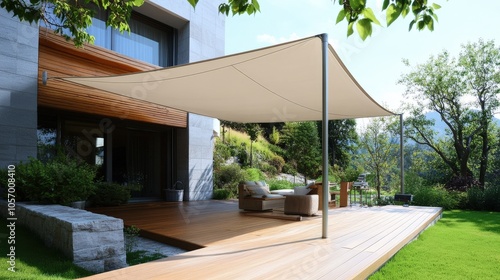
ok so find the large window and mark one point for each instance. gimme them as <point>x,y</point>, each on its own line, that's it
<point>148,41</point>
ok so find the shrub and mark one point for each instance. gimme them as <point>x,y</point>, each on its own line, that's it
<point>289,169</point>
<point>222,152</point>
<point>222,194</point>
<point>131,235</point>
<point>475,199</point>
<point>228,177</point>
<point>280,184</point>
<point>110,194</point>
<point>278,162</point>
<point>59,181</point>
<point>242,155</point>
<point>268,169</point>
<point>492,198</point>
<point>436,196</point>
<point>4,184</point>
<point>254,174</point>
<point>384,200</point>
<point>487,199</point>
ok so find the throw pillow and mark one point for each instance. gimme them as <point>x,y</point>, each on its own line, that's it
<point>301,190</point>
<point>257,190</point>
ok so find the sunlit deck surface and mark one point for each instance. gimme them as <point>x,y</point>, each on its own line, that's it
<point>233,245</point>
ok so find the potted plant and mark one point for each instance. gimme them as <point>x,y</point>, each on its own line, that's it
<point>175,193</point>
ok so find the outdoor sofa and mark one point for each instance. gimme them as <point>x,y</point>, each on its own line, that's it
<point>255,196</point>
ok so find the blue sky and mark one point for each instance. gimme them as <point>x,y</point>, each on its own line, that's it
<point>377,62</point>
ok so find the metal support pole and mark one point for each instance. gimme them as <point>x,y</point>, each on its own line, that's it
<point>402,157</point>
<point>326,188</point>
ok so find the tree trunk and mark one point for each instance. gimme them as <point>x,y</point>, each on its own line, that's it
<point>484,158</point>
<point>378,184</point>
<point>251,153</point>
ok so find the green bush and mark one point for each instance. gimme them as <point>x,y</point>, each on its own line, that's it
<point>254,174</point>
<point>59,181</point>
<point>280,184</point>
<point>242,155</point>
<point>221,194</point>
<point>222,152</point>
<point>384,200</point>
<point>492,198</point>
<point>268,169</point>
<point>487,199</point>
<point>278,163</point>
<point>436,196</point>
<point>289,169</point>
<point>4,184</point>
<point>228,178</point>
<point>110,194</point>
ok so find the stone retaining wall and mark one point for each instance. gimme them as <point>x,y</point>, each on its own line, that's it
<point>94,242</point>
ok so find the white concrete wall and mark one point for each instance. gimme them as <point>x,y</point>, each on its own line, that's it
<point>201,150</point>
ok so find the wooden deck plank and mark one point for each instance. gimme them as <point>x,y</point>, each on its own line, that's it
<point>238,246</point>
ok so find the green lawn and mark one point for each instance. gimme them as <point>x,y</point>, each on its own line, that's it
<point>34,260</point>
<point>462,245</point>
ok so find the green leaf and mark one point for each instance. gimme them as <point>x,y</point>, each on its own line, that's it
<point>368,13</point>
<point>139,3</point>
<point>392,14</point>
<point>256,5</point>
<point>411,25</point>
<point>224,9</point>
<point>420,25</point>
<point>429,22</point>
<point>430,25</point>
<point>405,11</point>
<point>436,6</point>
<point>340,16</point>
<point>385,5</point>
<point>350,30</point>
<point>194,2</point>
<point>417,7</point>
<point>364,27</point>
<point>358,4</point>
<point>435,17</point>
<point>250,10</point>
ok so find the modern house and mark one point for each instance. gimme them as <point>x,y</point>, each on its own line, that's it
<point>129,139</point>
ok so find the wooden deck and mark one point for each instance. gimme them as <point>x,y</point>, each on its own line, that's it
<point>232,245</point>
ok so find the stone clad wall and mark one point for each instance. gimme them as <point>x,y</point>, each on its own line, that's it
<point>18,89</point>
<point>94,242</point>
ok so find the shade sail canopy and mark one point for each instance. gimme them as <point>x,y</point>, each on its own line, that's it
<point>280,83</point>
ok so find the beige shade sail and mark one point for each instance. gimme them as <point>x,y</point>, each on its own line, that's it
<point>281,83</point>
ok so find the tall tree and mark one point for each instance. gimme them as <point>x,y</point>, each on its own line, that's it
<point>342,138</point>
<point>76,16</point>
<point>301,142</point>
<point>378,150</point>
<point>443,85</point>
<point>480,65</point>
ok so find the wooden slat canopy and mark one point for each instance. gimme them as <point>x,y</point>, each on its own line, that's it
<point>60,58</point>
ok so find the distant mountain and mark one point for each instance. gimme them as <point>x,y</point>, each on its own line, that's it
<point>441,127</point>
